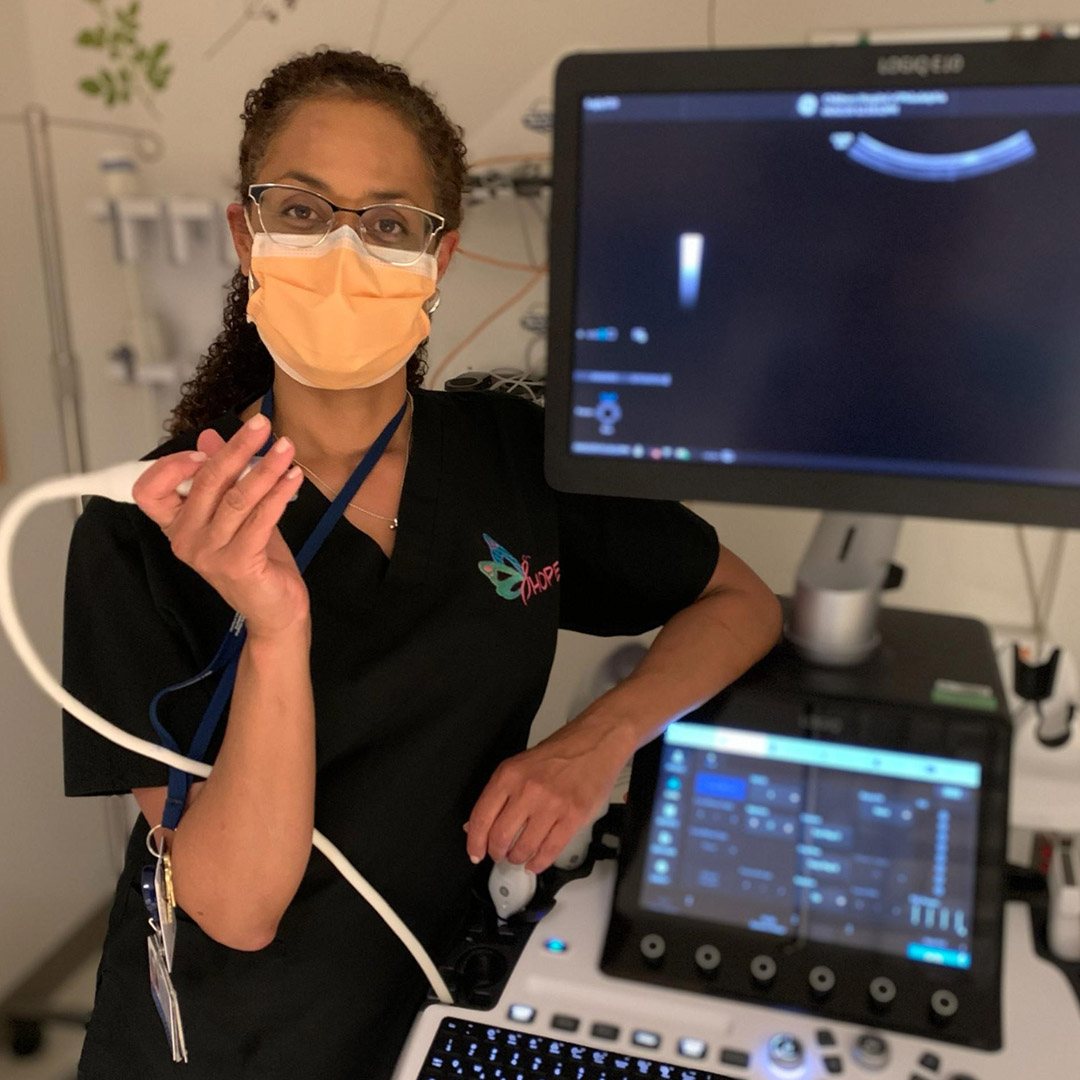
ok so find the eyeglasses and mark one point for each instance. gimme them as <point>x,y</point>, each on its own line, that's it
<point>393,232</point>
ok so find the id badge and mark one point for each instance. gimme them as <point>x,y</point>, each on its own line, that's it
<point>160,906</point>
<point>166,908</point>
<point>164,995</point>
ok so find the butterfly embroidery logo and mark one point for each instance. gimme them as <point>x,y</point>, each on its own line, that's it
<point>512,578</point>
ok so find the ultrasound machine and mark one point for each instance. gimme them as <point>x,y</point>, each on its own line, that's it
<point>843,278</point>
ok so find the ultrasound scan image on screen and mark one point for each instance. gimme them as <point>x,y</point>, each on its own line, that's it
<point>800,838</point>
<point>884,281</point>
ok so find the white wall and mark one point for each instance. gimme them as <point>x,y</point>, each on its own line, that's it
<point>53,851</point>
<point>488,59</point>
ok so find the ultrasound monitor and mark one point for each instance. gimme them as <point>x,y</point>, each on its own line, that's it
<point>833,278</point>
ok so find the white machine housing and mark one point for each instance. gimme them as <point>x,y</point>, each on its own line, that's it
<point>559,975</point>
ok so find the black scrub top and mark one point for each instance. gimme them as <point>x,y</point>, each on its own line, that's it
<point>427,669</point>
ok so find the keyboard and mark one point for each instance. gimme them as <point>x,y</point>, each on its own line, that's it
<point>479,1051</point>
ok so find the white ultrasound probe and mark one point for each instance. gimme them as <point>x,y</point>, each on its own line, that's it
<point>511,887</point>
<point>116,483</point>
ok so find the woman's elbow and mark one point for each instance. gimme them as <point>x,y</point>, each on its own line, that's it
<point>242,935</point>
<point>771,617</point>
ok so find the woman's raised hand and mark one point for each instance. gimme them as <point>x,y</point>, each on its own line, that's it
<point>226,528</point>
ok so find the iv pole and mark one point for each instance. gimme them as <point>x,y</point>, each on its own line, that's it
<point>149,146</point>
<point>38,124</point>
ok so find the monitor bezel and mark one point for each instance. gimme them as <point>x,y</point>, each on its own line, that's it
<point>1044,62</point>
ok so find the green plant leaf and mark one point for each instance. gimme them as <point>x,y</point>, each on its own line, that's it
<point>135,65</point>
<point>159,77</point>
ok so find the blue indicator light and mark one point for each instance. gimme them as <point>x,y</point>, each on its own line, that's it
<point>556,945</point>
<point>945,957</point>
<point>716,786</point>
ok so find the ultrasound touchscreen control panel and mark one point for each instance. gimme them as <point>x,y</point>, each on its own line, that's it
<point>822,841</point>
<point>800,854</point>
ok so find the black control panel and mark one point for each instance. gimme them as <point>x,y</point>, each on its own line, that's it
<point>829,842</point>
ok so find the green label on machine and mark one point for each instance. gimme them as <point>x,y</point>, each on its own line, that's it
<point>962,695</point>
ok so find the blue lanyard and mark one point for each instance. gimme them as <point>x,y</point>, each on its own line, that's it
<point>227,657</point>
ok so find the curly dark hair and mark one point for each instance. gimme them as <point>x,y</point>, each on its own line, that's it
<point>237,366</point>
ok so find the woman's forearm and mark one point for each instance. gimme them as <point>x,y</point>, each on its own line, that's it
<point>537,800</point>
<point>243,844</point>
<point>698,652</point>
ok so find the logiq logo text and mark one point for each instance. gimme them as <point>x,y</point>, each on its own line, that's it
<point>921,64</point>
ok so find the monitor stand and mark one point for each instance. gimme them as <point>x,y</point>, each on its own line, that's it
<point>847,566</point>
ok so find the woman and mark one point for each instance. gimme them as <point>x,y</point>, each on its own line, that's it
<point>386,694</point>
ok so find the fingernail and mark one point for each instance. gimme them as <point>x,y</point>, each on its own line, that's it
<point>283,445</point>
<point>258,422</point>
<point>197,455</point>
<point>293,473</point>
<point>474,859</point>
<point>466,826</point>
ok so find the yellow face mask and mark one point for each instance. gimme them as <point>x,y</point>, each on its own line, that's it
<point>334,316</point>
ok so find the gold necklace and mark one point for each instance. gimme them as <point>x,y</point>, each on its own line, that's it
<point>356,506</point>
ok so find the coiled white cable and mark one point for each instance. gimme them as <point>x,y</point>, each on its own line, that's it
<point>116,483</point>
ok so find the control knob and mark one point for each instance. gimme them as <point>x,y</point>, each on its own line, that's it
<point>944,1005</point>
<point>707,958</point>
<point>871,1052</point>
<point>653,948</point>
<point>822,981</point>
<point>763,970</point>
<point>882,992</point>
<point>785,1051</point>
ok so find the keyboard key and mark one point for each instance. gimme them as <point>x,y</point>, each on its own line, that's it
<point>479,1051</point>
<point>692,1048</point>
